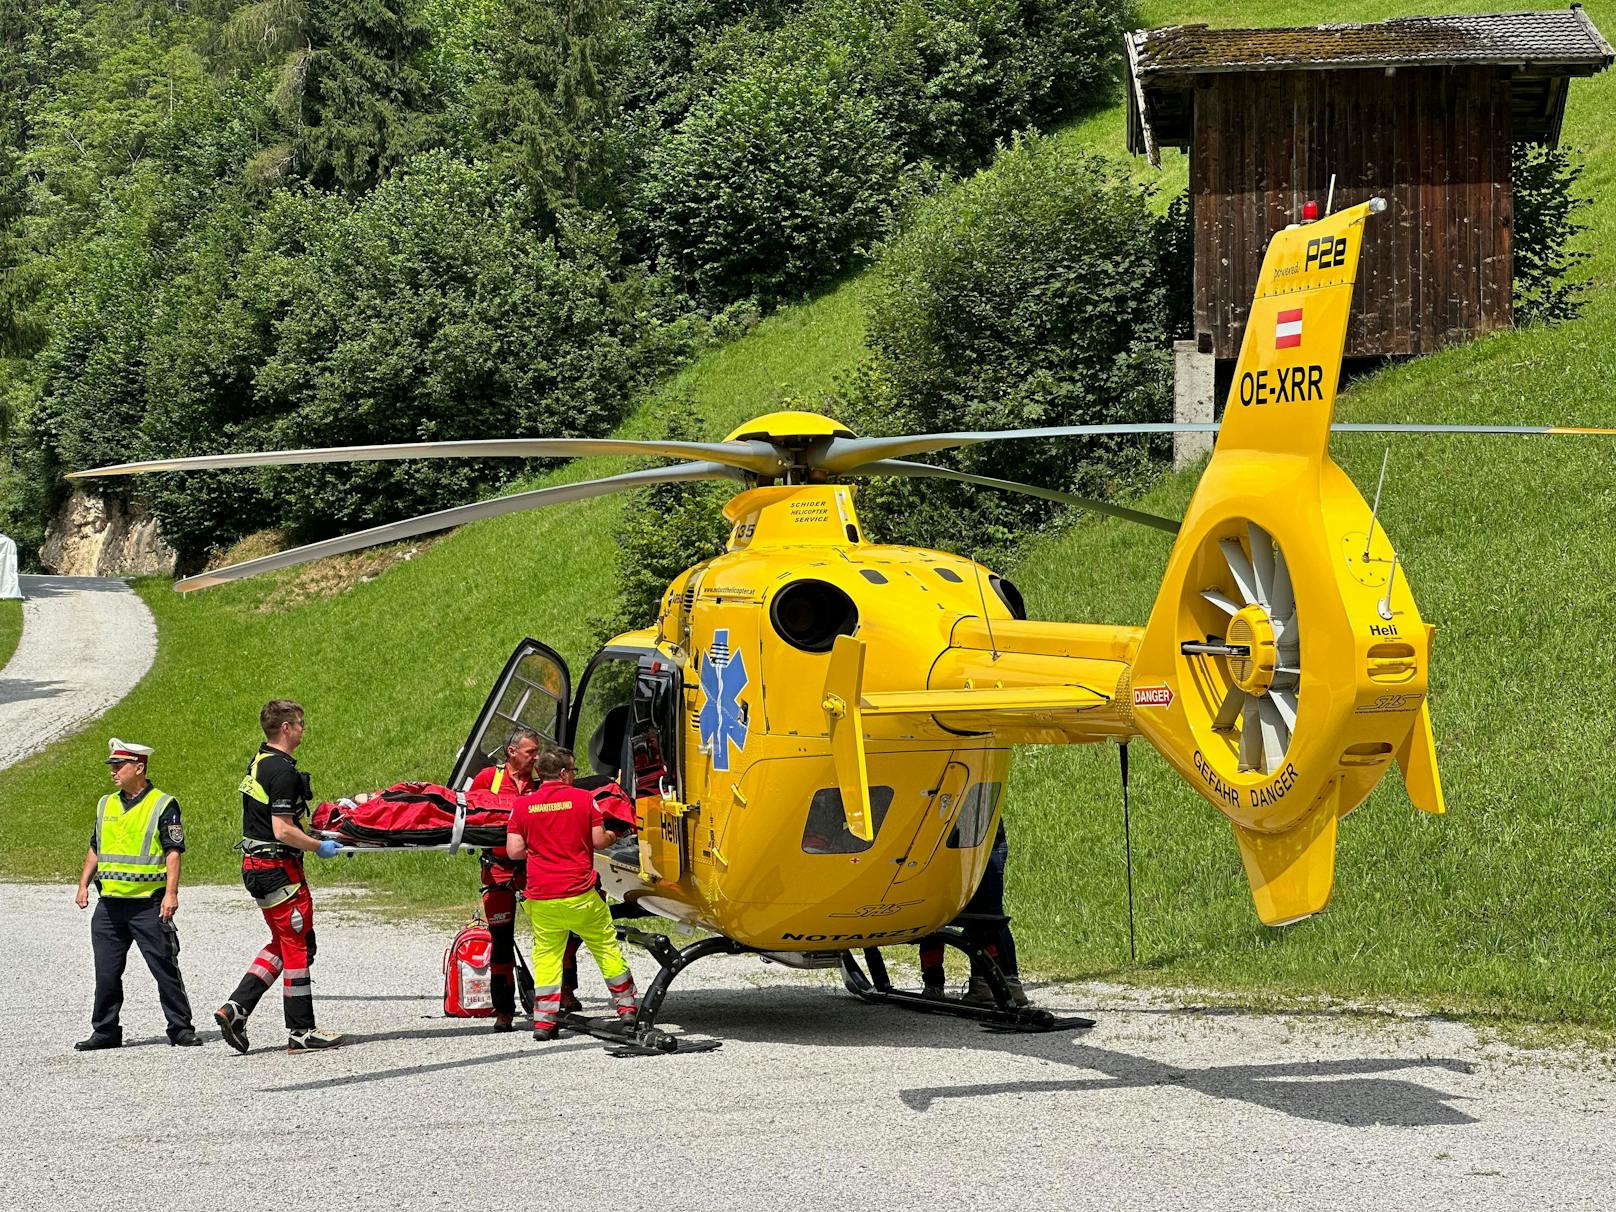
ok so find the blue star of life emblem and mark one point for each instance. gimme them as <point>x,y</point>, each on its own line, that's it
<point>723,715</point>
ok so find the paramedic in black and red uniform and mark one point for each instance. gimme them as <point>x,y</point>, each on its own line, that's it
<point>503,876</point>
<point>274,798</point>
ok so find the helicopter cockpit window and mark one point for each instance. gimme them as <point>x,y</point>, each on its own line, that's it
<point>531,693</point>
<point>975,815</point>
<point>826,831</point>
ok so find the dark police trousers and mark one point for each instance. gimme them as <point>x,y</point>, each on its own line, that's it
<point>117,922</point>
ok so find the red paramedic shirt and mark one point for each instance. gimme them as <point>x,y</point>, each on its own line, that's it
<point>557,822</point>
<point>509,787</point>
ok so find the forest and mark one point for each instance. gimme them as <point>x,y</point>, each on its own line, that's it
<point>325,222</point>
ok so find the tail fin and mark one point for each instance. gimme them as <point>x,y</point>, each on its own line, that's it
<point>1293,656</point>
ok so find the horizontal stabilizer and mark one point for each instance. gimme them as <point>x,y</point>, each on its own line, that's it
<point>1291,873</point>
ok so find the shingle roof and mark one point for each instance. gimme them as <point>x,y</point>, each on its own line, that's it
<point>1564,37</point>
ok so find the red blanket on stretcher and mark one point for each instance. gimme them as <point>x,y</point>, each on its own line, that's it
<point>423,814</point>
<point>416,814</point>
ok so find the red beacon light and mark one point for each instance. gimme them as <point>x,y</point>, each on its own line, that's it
<point>1310,212</point>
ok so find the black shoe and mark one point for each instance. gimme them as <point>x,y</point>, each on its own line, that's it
<point>185,1039</point>
<point>545,1034</point>
<point>569,1001</point>
<point>502,1024</point>
<point>232,1020</point>
<point>96,1042</point>
<point>314,1040</point>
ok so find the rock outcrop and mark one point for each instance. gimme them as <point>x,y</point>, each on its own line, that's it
<point>103,536</point>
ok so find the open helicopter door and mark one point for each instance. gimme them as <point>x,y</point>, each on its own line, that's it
<point>651,761</point>
<point>532,692</point>
<point>625,725</point>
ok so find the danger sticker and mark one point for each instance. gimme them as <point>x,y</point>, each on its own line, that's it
<point>1152,696</point>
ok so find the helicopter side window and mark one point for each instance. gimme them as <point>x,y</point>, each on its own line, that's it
<point>826,830</point>
<point>602,714</point>
<point>653,734</point>
<point>975,815</point>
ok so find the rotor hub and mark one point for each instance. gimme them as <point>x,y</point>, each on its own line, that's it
<point>1251,628</point>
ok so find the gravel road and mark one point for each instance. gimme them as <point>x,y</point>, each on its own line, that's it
<point>813,1098</point>
<point>86,642</point>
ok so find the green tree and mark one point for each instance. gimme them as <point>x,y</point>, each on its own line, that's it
<point>549,103</point>
<point>773,184</point>
<point>346,88</point>
<point>1544,181</point>
<point>1027,295</point>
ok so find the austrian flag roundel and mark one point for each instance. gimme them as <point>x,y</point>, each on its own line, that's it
<point>1288,329</point>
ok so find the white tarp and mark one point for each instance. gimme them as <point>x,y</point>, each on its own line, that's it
<point>10,589</point>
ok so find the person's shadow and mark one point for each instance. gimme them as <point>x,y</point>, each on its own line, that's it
<point>21,690</point>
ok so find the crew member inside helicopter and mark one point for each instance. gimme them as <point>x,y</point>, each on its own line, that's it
<point>502,876</point>
<point>557,829</point>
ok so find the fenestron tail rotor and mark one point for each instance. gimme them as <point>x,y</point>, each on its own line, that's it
<point>1258,658</point>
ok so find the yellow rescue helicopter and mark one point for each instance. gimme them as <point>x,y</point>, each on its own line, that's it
<point>818,727</point>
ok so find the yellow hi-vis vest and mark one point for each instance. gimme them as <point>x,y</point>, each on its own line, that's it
<point>250,786</point>
<point>129,854</point>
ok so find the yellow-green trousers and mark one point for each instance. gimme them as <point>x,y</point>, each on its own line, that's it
<point>586,916</point>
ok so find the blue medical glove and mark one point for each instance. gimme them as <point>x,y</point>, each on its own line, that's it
<point>327,848</point>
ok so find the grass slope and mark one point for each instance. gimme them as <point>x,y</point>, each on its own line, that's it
<point>1499,908</point>
<point>10,629</point>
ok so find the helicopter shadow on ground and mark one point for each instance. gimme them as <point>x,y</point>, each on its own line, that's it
<point>1355,1092</point>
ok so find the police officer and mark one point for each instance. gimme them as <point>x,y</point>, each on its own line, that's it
<point>274,798</point>
<point>134,859</point>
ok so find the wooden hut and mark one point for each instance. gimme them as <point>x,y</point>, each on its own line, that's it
<point>1421,110</point>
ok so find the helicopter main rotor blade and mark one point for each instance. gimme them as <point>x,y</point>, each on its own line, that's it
<point>444,519</point>
<point>842,455</point>
<point>748,456</point>
<point>899,467</point>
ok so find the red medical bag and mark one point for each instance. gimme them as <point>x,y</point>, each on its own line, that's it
<point>467,972</point>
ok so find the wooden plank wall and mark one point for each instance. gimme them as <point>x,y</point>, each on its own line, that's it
<point>1435,142</point>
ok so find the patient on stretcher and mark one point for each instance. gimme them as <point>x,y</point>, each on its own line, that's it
<point>428,814</point>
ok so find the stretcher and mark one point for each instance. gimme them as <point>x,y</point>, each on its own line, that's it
<point>414,816</point>
<point>429,816</point>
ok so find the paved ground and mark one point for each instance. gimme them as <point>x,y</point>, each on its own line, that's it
<point>86,642</point>
<point>813,1099</point>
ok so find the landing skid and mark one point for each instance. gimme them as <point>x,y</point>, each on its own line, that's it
<point>639,1040</point>
<point>1004,1016</point>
